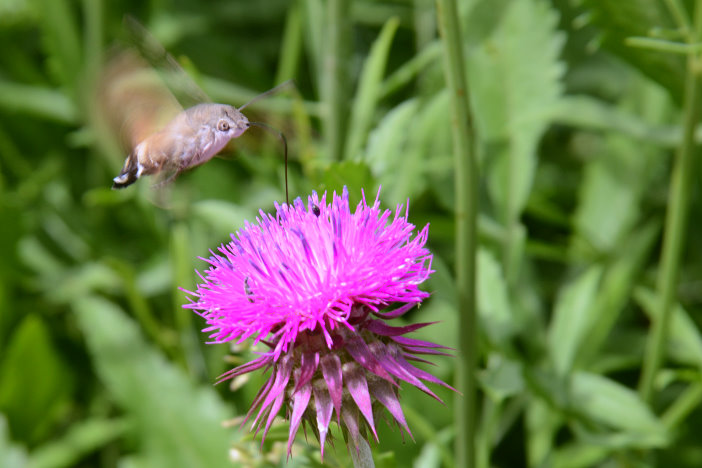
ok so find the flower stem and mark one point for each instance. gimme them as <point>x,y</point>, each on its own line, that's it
<point>362,456</point>
<point>466,176</point>
<point>333,77</point>
<point>676,216</point>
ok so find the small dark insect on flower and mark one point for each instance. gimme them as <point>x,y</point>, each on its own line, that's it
<point>327,280</point>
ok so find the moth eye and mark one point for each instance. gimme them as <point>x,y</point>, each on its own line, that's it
<point>222,125</point>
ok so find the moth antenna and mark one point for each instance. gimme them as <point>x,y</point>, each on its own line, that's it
<point>285,146</point>
<point>273,90</point>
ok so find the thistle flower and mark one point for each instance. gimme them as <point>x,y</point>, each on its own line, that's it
<point>317,284</point>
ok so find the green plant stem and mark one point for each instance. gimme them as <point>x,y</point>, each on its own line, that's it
<point>334,74</point>
<point>676,218</point>
<point>683,405</point>
<point>362,456</point>
<point>466,177</point>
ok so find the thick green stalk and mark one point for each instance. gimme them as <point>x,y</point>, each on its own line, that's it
<point>466,177</point>
<point>334,92</point>
<point>676,217</point>
<point>361,456</point>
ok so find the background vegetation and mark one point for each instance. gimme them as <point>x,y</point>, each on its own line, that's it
<point>578,130</point>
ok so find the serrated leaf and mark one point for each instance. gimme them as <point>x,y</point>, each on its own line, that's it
<point>515,79</point>
<point>178,423</point>
<point>619,408</point>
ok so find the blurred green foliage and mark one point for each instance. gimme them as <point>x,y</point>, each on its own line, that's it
<point>100,366</point>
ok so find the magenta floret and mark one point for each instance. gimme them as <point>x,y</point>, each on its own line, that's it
<point>301,271</point>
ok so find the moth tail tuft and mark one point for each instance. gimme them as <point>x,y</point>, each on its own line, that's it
<point>128,175</point>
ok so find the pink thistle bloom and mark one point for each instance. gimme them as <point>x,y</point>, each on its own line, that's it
<point>314,284</point>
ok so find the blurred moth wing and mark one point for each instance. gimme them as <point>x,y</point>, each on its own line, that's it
<point>136,94</point>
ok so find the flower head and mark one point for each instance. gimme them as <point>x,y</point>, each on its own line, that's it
<point>316,284</point>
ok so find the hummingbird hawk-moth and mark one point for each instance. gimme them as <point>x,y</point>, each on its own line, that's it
<point>163,138</point>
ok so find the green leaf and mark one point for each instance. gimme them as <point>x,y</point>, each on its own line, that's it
<point>515,80</point>
<point>81,439</point>
<point>626,18</point>
<point>619,408</point>
<point>614,294</point>
<point>354,175</point>
<point>684,338</point>
<point>177,423</point>
<point>571,318</point>
<point>609,197</point>
<point>587,112</point>
<point>494,309</point>
<point>32,405</point>
<point>38,101</point>
<point>222,217</point>
<point>502,378</point>
<point>365,101</point>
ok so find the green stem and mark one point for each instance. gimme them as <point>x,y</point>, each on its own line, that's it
<point>685,404</point>
<point>362,456</point>
<point>334,81</point>
<point>466,177</point>
<point>676,218</point>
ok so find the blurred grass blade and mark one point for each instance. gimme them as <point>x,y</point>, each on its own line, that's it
<point>37,101</point>
<point>61,38</point>
<point>177,424</point>
<point>410,69</point>
<point>365,101</point>
<point>82,439</point>
<point>684,341</point>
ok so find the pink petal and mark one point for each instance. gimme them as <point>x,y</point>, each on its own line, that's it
<point>331,370</point>
<point>400,311</point>
<point>245,368</point>
<point>308,366</point>
<point>421,374</point>
<point>385,394</point>
<point>324,407</point>
<point>381,328</point>
<point>359,350</point>
<point>396,369</point>
<point>300,399</point>
<point>406,341</point>
<point>358,388</point>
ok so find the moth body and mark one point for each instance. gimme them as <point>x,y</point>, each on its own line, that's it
<point>191,138</point>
